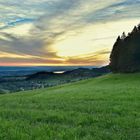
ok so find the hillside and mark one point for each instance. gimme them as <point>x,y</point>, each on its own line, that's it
<point>103,108</point>
<point>44,79</point>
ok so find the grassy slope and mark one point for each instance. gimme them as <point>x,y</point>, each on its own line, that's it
<point>104,108</point>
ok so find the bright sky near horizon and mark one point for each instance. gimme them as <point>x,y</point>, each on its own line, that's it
<point>63,32</point>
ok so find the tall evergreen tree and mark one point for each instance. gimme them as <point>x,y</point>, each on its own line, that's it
<point>114,55</point>
<point>123,35</point>
<point>125,55</point>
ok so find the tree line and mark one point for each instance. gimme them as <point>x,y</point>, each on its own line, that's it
<point>125,55</point>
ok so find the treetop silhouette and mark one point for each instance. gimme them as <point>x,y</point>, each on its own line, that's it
<point>125,55</point>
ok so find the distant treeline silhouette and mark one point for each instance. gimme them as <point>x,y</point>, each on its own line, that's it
<point>125,55</point>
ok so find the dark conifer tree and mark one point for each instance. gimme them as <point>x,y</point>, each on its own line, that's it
<point>123,35</point>
<point>135,30</point>
<point>125,55</point>
<point>139,27</point>
<point>114,55</point>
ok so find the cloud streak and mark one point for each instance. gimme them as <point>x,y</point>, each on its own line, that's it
<point>63,32</point>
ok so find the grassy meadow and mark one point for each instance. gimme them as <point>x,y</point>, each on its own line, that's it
<point>103,108</point>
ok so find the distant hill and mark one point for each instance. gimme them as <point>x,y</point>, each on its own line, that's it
<point>45,79</point>
<point>125,55</point>
<point>40,75</point>
<point>18,71</point>
<point>80,73</point>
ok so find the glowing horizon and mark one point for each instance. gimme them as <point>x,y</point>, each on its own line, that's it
<point>63,32</point>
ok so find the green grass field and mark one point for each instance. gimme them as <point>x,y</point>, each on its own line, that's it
<point>104,108</point>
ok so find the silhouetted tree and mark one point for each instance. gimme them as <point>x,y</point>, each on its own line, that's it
<point>123,35</point>
<point>125,55</point>
<point>115,54</point>
<point>135,30</point>
<point>139,27</point>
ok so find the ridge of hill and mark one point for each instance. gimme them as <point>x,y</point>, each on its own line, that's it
<point>44,79</point>
<point>80,73</point>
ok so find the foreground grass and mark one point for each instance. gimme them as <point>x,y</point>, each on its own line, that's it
<point>104,108</point>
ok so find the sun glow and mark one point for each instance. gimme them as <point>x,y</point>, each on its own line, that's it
<point>91,39</point>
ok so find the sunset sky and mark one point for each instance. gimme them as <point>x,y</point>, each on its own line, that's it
<point>63,32</point>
